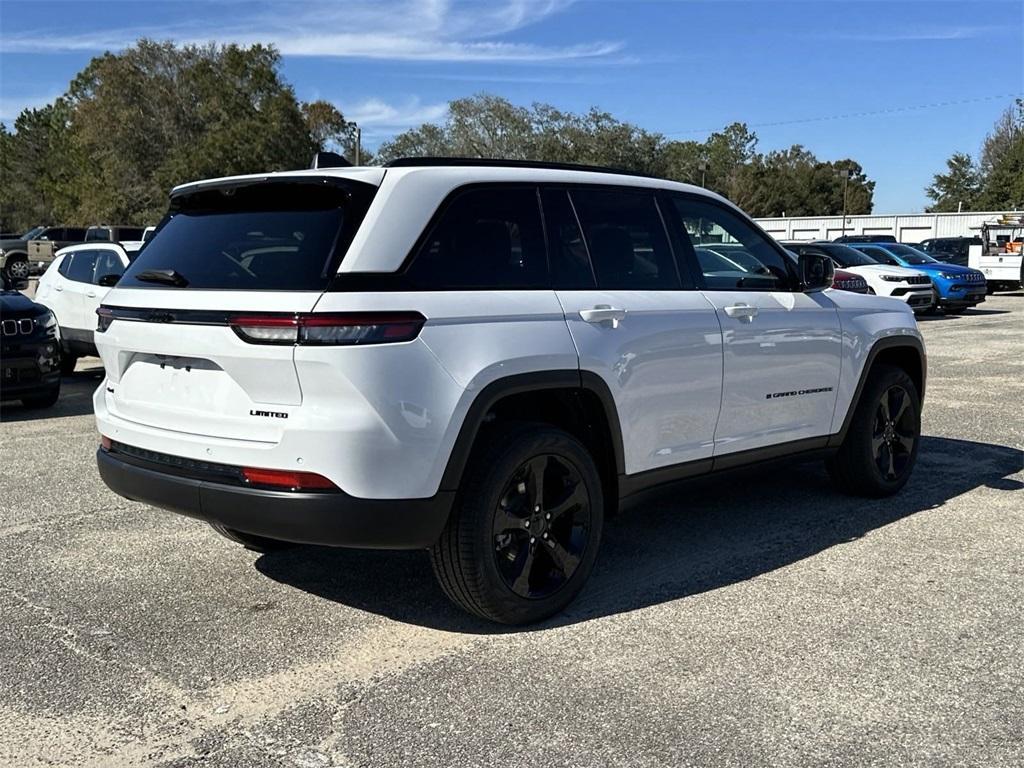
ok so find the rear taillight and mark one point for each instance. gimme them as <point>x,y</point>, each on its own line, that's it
<point>328,329</point>
<point>105,442</point>
<point>286,480</point>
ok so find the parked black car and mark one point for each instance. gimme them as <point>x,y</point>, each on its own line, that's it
<point>952,250</point>
<point>29,351</point>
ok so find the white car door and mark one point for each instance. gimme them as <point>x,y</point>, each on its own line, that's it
<point>637,324</point>
<point>77,281</point>
<point>781,347</point>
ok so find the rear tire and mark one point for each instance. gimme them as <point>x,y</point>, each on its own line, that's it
<point>880,448</point>
<point>524,533</point>
<point>16,270</point>
<point>250,541</point>
<point>43,401</point>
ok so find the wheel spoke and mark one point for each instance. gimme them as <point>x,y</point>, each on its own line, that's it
<point>577,496</point>
<point>504,520</point>
<point>890,468</point>
<point>906,441</point>
<point>564,560</point>
<point>535,480</point>
<point>877,441</point>
<point>521,584</point>
<point>902,403</point>
<point>883,408</point>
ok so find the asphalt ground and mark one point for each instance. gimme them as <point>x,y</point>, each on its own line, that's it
<point>754,619</point>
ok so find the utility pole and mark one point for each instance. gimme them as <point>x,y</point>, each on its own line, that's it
<point>703,166</point>
<point>845,176</point>
<point>359,141</point>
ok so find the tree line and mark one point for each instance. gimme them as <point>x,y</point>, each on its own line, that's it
<point>134,124</point>
<point>992,182</point>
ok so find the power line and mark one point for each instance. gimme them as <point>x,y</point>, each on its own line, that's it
<point>850,115</point>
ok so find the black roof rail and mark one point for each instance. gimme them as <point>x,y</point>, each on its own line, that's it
<point>490,162</point>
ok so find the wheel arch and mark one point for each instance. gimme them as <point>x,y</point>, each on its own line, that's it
<point>579,402</point>
<point>905,352</point>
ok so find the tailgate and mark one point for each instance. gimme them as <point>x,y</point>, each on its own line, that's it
<point>180,371</point>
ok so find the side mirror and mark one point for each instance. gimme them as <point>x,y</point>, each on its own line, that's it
<point>816,272</point>
<point>108,280</point>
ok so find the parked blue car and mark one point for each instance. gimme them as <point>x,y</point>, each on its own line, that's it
<point>956,287</point>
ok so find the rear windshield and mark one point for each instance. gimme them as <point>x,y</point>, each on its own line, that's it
<point>270,236</point>
<point>845,256</point>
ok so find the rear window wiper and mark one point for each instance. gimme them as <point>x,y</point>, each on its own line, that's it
<point>163,276</point>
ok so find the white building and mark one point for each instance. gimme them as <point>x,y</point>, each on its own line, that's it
<point>907,227</point>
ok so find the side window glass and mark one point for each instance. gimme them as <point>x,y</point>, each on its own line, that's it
<point>489,238</point>
<point>65,264</point>
<point>567,251</point>
<point>107,263</point>
<point>730,252</point>
<point>82,267</point>
<point>626,239</point>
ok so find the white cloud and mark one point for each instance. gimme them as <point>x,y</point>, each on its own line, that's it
<point>918,34</point>
<point>375,115</point>
<point>410,30</point>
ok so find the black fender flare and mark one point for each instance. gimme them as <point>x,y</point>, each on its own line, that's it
<point>568,379</point>
<point>885,343</point>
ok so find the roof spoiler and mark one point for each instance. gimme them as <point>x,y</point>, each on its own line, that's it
<point>329,160</point>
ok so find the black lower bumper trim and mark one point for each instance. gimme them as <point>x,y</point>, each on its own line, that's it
<point>331,519</point>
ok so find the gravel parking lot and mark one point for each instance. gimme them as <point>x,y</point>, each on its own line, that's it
<point>758,619</point>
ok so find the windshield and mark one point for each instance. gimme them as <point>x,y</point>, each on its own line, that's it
<point>910,255</point>
<point>283,236</point>
<point>33,233</point>
<point>845,256</point>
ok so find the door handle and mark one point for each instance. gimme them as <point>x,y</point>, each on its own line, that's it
<point>603,313</point>
<point>742,312</point>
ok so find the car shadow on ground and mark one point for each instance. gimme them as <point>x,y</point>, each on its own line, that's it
<point>75,396</point>
<point>704,535</point>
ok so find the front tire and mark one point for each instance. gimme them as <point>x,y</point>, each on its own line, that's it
<point>46,400</point>
<point>16,270</point>
<point>880,448</point>
<point>524,533</point>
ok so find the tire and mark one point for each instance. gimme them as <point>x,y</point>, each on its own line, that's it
<point>42,401</point>
<point>16,270</point>
<point>67,363</point>
<point>877,458</point>
<point>250,541</point>
<point>515,550</point>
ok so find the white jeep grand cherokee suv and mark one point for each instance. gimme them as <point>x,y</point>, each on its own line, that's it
<point>484,359</point>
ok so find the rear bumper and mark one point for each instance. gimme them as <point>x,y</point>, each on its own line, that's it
<point>330,519</point>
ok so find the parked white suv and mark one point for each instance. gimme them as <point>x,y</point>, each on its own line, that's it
<point>484,359</point>
<point>910,285</point>
<point>73,289</point>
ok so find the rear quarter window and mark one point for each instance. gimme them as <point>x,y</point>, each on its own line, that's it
<point>283,236</point>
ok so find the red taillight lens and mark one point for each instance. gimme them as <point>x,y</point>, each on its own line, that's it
<point>286,480</point>
<point>329,329</point>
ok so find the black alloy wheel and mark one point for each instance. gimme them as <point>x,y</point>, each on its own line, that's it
<point>541,526</point>
<point>894,434</point>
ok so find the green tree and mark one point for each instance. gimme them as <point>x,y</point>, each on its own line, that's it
<point>957,188</point>
<point>1002,162</point>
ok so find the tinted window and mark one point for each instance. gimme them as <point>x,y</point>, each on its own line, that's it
<point>129,233</point>
<point>97,233</point>
<point>845,256</point>
<point>72,234</point>
<point>730,252</point>
<point>567,251</point>
<point>485,238</point>
<point>879,255</point>
<point>910,255</point>
<point>107,263</point>
<point>272,236</point>
<point>83,264</point>
<point>626,239</point>
<point>65,264</point>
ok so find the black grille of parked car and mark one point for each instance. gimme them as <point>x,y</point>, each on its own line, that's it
<point>22,327</point>
<point>919,280</point>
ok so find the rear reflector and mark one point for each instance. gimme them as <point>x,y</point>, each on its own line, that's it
<point>105,442</point>
<point>328,329</point>
<point>286,480</point>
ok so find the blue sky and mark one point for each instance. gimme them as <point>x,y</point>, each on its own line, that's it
<point>797,72</point>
